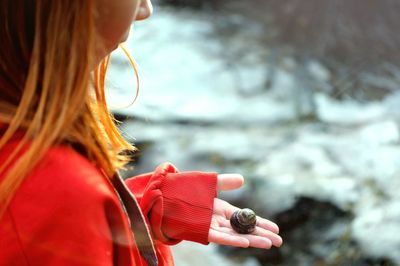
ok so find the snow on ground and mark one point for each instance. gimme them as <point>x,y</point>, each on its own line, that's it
<point>192,111</point>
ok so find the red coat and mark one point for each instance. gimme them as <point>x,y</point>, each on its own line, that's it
<point>67,213</point>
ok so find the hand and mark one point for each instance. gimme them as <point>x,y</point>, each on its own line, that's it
<point>264,236</point>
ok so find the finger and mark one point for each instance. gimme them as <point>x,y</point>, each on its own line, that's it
<point>230,181</point>
<point>267,224</point>
<point>273,237</point>
<point>254,240</point>
<point>227,239</point>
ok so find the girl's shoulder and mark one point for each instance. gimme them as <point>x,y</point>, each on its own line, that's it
<point>62,171</point>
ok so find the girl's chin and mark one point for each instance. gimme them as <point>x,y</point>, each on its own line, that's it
<point>125,38</point>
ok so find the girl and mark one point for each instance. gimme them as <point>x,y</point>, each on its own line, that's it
<point>61,199</point>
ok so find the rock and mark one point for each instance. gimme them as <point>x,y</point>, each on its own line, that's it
<point>348,112</point>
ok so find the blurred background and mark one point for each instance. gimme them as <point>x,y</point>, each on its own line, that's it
<point>301,97</point>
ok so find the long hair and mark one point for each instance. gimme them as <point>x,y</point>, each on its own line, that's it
<point>49,91</point>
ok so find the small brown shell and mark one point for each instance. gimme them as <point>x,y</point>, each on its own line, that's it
<point>243,221</point>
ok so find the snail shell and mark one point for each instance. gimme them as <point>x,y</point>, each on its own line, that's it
<point>243,221</point>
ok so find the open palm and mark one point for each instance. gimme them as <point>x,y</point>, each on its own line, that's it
<point>264,236</point>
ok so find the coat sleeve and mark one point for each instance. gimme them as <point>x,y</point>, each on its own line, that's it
<point>177,205</point>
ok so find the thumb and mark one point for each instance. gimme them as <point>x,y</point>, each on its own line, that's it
<point>229,181</point>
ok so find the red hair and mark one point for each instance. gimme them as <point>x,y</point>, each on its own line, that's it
<point>48,89</point>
